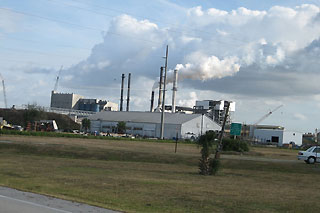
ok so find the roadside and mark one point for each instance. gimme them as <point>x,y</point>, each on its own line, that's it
<point>262,159</point>
<point>15,201</point>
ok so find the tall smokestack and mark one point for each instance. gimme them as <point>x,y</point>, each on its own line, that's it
<point>121,96</point>
<point>174,90</point>
<point>152,100</point>
<point>128,94</point>
<point>160,88</point>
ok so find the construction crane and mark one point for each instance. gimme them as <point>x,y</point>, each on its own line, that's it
<point>267,115</point>
<point>57,80</point>
<point>4,92</point>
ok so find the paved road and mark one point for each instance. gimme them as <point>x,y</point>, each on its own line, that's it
<point>14,201</point>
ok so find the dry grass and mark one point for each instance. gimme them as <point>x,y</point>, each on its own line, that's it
<point>150,177</point>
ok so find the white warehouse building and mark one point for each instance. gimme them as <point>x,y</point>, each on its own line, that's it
<point>279,136</point>
<point>149,123</point>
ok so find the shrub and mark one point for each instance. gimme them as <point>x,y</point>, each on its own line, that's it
<point>214,166</point>
<point>207,165</point>
<point>234,145</point>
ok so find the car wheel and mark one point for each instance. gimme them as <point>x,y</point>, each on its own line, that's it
<point>311,160</point>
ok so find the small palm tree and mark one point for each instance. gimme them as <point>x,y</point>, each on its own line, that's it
<point>121,126</point>
<point>86,123</point>
<point>207,165</point>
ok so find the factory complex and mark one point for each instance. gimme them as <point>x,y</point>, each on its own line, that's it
<point>167,121</point>
<point>148,124</point>
<point>179,121</point>
<point>78,102</point>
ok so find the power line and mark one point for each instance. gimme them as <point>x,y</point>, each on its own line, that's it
<point>75,25</point>
<point>22,61</point>
<point>143,17</point>
<point>41,42</point>
<point>109,32</point>
<point>36,52</point>
<point>131,14</point>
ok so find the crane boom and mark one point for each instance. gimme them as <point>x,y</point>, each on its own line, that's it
<point>267,115</point>
<point>57,80</point>
<point>4,94</point>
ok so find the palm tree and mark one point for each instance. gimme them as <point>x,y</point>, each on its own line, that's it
<point>86,123</point>
<point>207,165</point>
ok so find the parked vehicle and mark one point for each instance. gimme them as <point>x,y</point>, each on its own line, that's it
<point>311,155</point>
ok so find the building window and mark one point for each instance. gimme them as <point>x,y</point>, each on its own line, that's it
<point>275,139</point>
<point>137,128</point>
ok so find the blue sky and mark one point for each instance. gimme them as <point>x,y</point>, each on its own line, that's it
<point>261,54</point>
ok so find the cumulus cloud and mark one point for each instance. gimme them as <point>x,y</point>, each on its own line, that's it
<point>9,22</point>
<point>244,52</point>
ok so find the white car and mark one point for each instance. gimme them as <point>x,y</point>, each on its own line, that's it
<point>311,155</point>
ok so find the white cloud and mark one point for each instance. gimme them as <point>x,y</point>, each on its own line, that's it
<point>261,47</point>
<point>216,12</point>
<point>196,11</point>
<point>9,21</point>
<point>223,33</point>
<point>189,101</point>
<point>299,116</point>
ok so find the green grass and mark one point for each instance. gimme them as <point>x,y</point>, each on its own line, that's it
<point>71,135</point>
<point>136,176</point>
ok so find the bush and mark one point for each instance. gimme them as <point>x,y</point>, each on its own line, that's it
<point>214,166</point>
<point>207,165</point>
<point>234,145</point>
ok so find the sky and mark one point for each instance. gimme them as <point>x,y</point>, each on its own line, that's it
<point>260,54</point>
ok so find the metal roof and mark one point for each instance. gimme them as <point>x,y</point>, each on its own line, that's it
<point>143,117</point>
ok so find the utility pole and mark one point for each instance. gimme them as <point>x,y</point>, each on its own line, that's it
<point>217,155</point>
<point>164,94</point>
<point>160,88</point>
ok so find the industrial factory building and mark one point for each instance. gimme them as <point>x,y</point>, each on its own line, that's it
<point>149,123</point>
<point>277,135</point>
<point>78,102</point>
<point>216,110</point>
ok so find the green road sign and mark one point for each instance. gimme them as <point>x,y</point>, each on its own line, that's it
<point>235,129</point>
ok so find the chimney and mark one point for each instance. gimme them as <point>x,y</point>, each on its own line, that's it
<point>174,90</point>
<point>128,94</point>
<point>152,100</point>
<point>121,97</point>
<point>160,88</point>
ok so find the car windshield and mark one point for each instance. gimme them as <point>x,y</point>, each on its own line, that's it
<point>310,149</point>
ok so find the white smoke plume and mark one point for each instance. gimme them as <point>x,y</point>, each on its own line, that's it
<point>203,67</point>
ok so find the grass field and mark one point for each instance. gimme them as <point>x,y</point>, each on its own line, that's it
<point>149,177</point>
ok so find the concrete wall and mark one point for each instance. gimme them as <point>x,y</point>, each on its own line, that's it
<point>265,135</point>
<point>112,106</point>
<point>285,137</point>
<point>291,136</point>
<point>196,125</point>
<point>153,129</point>
<point>170,131</point>
<point>64,100</point>
<point>142,129</point>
